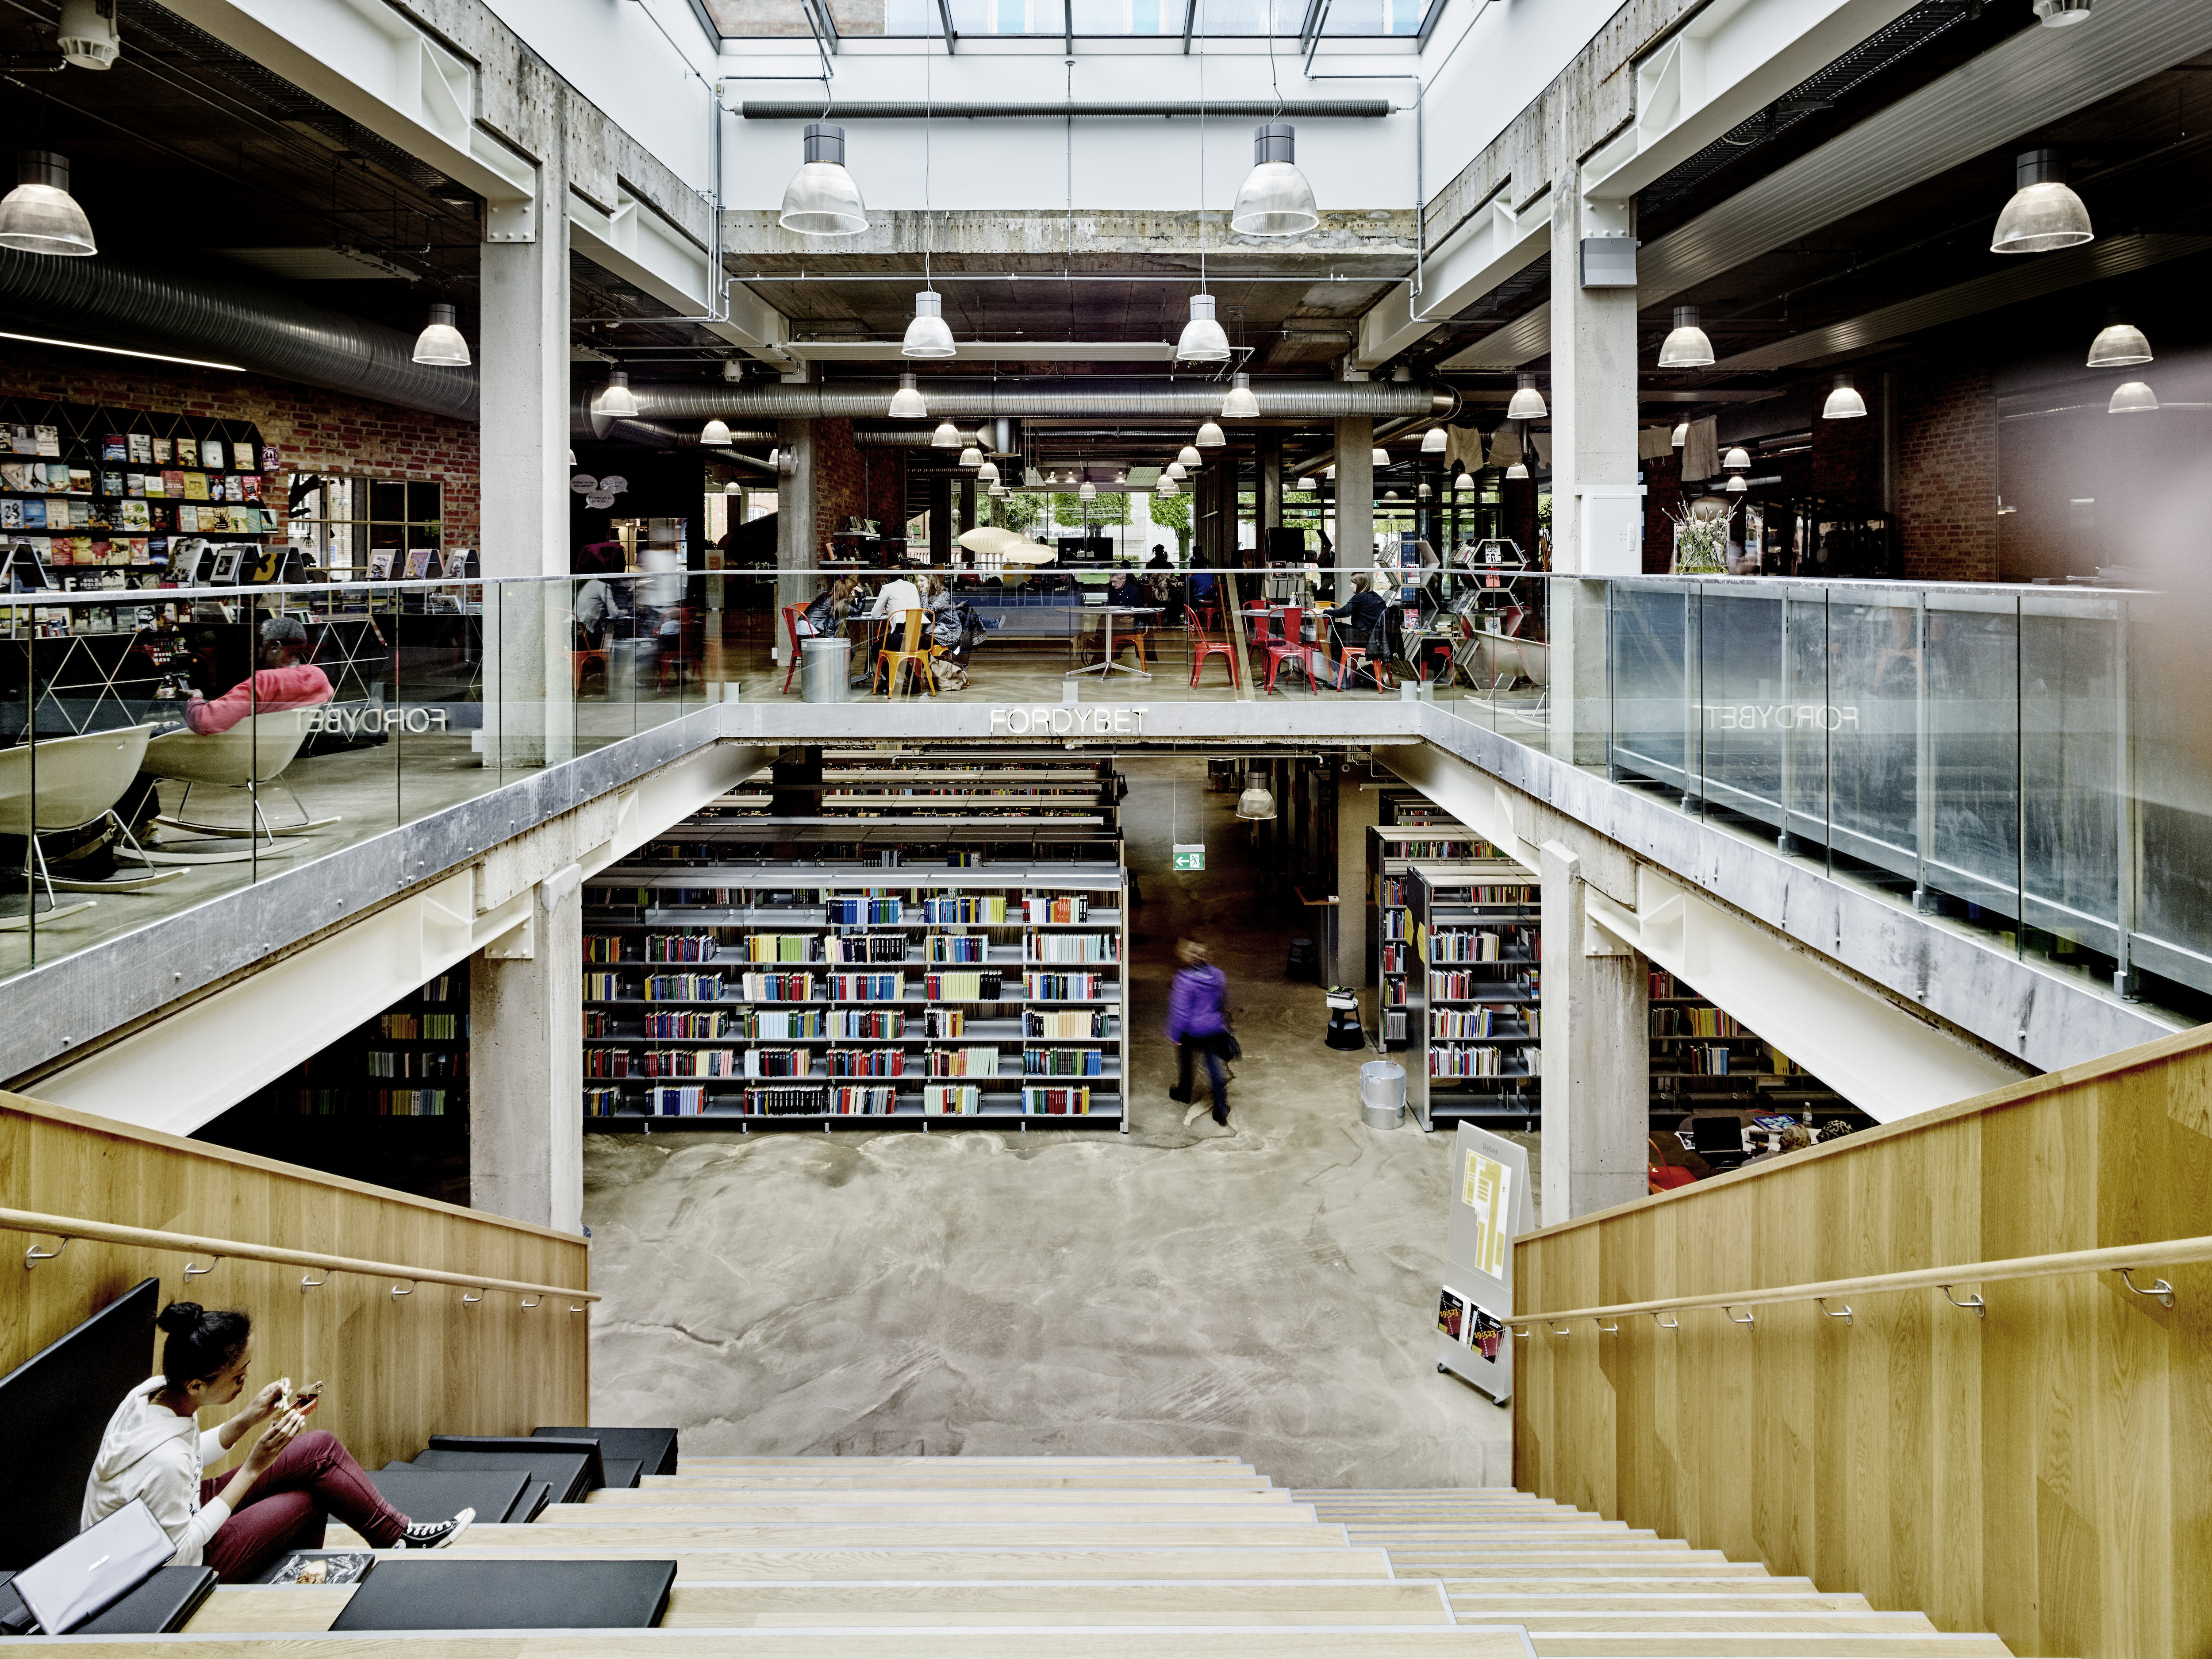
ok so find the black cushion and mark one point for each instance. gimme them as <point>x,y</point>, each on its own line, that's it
<point>430,1593</point>
<point>621,1472</point>
<point>530,1445</point>
<point>653,1448</point>
<point>441,1494</point>
<point>163,1604</point>
<point>567,1471</point>
<point>530,1502</point>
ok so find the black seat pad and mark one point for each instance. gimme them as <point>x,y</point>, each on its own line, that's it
<point>441,1494</point>
<point>568,1473</point>
<point>530,1445</point>
<point>433,1593</point>
<point>655,1448</point>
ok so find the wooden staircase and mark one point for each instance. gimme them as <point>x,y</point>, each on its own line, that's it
<point>1105,1558</point>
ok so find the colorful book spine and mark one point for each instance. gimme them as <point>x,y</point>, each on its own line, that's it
<point>1073,948</point>
<point>678,948</point>
<point>1041,910</point>
<point>1064,1062</point>
<point>942,1024</point>
<point>883,1024</point>
<point>1062,987</point>
<point>1057,1102</point>
<point>952,1100</point>
<point>862,1102</point>
<point>779,988</point>
<point>602,1103</point>
<point>606,1062</point>
<point>980,1062</point>
<point>867,987</point>
<point>783,1102</point>
<point>966,910</point>
<point>867,1062</point>
<point>603,948</point>
<point>861,912</point>
<point>772,1062</point>
<point>954,948</point>
<point>783,1024</point>
<point>716,1062</point>
<point>779,948</point>
<point>985,986</point>
<point>1064,1022</point>
<point>676,1101</point>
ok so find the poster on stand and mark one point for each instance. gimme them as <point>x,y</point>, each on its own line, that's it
<point>1491,1206</point>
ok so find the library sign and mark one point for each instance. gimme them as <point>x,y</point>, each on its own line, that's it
<point>1068,720</point>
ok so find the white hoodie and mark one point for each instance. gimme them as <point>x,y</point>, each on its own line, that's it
<point>151,1452</point>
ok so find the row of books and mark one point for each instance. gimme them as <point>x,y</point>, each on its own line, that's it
<point>792,1024</point>
<point>1695,1022</point>
<point>1064,1062</point>
<point>1458,1061</point>
<point>146,449</point>
<point>985,985</point>
<point>1072,947</point>
<point>1457,985</point>
<point>382,1102</point>
<point>1487,1023</point>
<point>407,1063</point>
<point>1467,945</point>
<point>433,1027</point>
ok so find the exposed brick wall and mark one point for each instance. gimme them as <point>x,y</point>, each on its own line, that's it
<point>1947,448</point>
<point>838,494</point>
<point>314,432</point>
<point>1662,498</point>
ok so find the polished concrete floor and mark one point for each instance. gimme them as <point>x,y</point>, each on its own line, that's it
<point>1266,1291</point>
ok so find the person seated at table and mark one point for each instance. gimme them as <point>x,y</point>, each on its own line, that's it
<point>1128,591</point>
<point>1355,621</point>
<point>242,1523</point>
<point>825,612</point>
<point>894,598</point>
<point>950,635</point>
<point>1159,560</point>
<point>284,680</point>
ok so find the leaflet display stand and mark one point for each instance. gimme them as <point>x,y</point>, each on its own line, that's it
<point>1491,1206</point>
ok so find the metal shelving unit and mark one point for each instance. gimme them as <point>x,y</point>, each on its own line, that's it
<point>1473,994</point>
<point>1392,849</point>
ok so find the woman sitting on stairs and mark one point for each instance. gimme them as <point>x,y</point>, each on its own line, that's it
<point>273,1503</point>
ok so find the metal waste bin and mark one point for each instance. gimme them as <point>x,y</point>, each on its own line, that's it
<point>1382,1094</point>
<point>824,664</point>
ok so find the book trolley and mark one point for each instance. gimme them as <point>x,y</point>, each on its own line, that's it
<point>1392,849</point>
<point>1473,993</point>
<point>775,994</point>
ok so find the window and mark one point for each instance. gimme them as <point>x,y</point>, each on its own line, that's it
<point>1051,19</point>
<point>342,522</point>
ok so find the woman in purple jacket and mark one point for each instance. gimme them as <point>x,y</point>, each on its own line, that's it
<point>1198,1019</point>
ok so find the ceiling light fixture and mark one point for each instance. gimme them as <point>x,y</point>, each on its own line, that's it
<point>946,436</point>
<point>1121,477</point>
<point>1686,347</point>
<point>1257,804</point>
<point>1463,481</point>
<point>1275,199</point>
<point>733,369</point>
<point>1527,402</point>
<point>1203,340</point>
<point>1681,434</point>
<point>1424,492</point>
<point>40,215</point>
<point>2062,13</point>
<point>927,336</point>
<point>616,400</point>
<point>1240,404</point>
<point>1189,456</point>
<point>1518,470</point>
<point>440,342</point>
<point>1737,459</point>
<point>1379,458</point>
<point>1433,442</point>
<point>1736,485</point>
<point>2044,215</point>
<point>2119,345</point>
<point>822,199</point>
<point>1210,437</point>
<point>971,456</point>
<point>988,473</point>
<point>1088,492</point>
<point>734,488</point>
<point>1166,486</point>
<point>715,434</point>
<point>2133,399</point>
<point>1844,403</point>
<point>1173,469</point>
<point>907,402</point>
<point>88,37</point>
<point>998,490</point>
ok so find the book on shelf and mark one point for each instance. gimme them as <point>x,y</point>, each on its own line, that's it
<point>603,948</point>
<point>1062,987</point>
<point>776,1024</point>
<point>411,1102</point>
<point>862,987</point>
<point>941,1024</point>
<point>753,987</point>
<point>1071,948</point>
<point>704,988</point>
<point>47,440</point>
<point>1064,1062</point>
<point>977,1061</point>
<point>983,986</point>
<point>885,1024</point>
<point>858,1102</point>
<point>952,1100</point>
<point>678,948</point>
<point>602,1102</point>
<point>784,1102</point>
<point>868,947</point>
<point>780,948</point>
<point>243,456</point>
<point>1076,908</point>
<point>676,1100</point>
<point>139,448</point>
<point>1394,1026</point>
<point>857,912</point>
<point>883,1061</point>
<point>712,1063</point>
<point>1063,1023</point>
<point>1054,1101</point>
<point>955,948</point>
<point>968,909</point>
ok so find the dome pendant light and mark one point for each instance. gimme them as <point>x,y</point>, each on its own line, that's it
<point>1463,481</point>
<point>822,199</point>
<point>946,436</point>
<point>971,456</point>
<point>734,488</point>
<point>1518,471</point>
<point>1737,459</point>
<point>715,434</point>
<point>1240,404</point>
<point>988,473</point>
<point>1189,456</point>
<point>1433,442</point>
<point>2133,399</point>
<point>1257,804</point>
<point>1687,346</point>
<point>87,37</point>
<point>1380,459</point>
<point>40,215</point>
<point>906,402</point>
<point>1202,339</point>
<point>1166,486</point>
<point>2042,215</point>
<point>1681,434</point>
<point>1088,492</point>
<point>1844,403</point>
<point>1210,437</point>
<point>617,401</point>
<point>440,342</point>
<point>1736,485</point>
<point>1527,402</point>
<point>1173,469</point>
<point>1275,199</point>
<point>927,336</point>
<point>2120,345</point>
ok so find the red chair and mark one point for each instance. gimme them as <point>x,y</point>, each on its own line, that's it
<point>1202,646</point>
<point>1347,667</point>
<point>791,615</point>
<point>1289,646</point>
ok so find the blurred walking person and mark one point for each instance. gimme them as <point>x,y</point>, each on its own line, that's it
<point>1198,1025</point>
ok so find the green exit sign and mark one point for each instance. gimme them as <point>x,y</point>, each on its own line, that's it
<point>1190,855</point>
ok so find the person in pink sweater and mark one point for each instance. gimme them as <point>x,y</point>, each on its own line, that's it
<point>282,681</point>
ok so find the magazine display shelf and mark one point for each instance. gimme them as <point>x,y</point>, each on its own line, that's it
<point>850,1031</point>
<point>1491,991</point>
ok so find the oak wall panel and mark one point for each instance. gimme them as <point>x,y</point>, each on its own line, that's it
<point>399,1371</point>
<point>2039,1472</point>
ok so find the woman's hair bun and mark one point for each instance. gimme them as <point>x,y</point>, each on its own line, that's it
<point>178,1316</point>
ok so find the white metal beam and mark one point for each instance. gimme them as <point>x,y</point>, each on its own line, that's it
<point>636,244</point>
<point>1495,243</point>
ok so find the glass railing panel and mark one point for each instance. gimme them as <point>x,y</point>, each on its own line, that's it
<point>1808,716</point>
<point>2074,776</point>
<point>1655,723</point>
<point>1742,717</point>
<point>1971,773</point>
<point>1874,662</point>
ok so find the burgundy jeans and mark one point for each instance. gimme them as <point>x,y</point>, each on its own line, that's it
<point>312,1477</point>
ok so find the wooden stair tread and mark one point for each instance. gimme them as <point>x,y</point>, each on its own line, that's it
<point>888,1480</point>
<point>1068,1534</point>
<point>930,1562</point>
<point>1440,1642</point>
<point>1657,1618</point>
<point>1826,1645</point>
<point>957,1513</point>
<point>1512,1605</point>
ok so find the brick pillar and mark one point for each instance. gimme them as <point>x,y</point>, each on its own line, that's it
<point>1947,442</point>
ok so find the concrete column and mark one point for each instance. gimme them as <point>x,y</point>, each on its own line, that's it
<point>1267,490</point>
<point>1597,1053</point>
<point>522,358</point>
<point>940,521</point>
<point>526,1065</point>
<point>1358,808</point>
<point>797,548</point>
<point>1355,499</point>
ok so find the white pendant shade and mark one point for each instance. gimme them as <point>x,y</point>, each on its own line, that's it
<point>946,436</point>
<point>2120,345</point>
<point>1202,339</point>
<point>2042,215</point>
<point>998,489</point>
<point>1210,437</point>
<point>971,456</point>
<point>715,434</point>
<point>1737,459</point>
<point>1527,402</point>
<point>987,472</point>
<point>1173,469</point>
<point>1433,442</point>
<point>1736,486</point>
<point>907,402</point>
<point>2133,399</point>
<point>1463,481</point>
<point>927,336</point>
<point>1257,804</point>
<point>616,400</point>
<point>822,199</point>
<point>1687,346</point>
<point>1167,486</point>
<point>1275,199</point>
<point>1088,492</point>
<point>1424,492</point>
<point>1380,458</point>
<point>1240,404</point>
<point>1517,470</point>
<point>734,488</point>
<point>40,215</point>
<point>440,342</point>
<point>1189,456</point>
<point>1844,403</point>
<point>1681,434</point>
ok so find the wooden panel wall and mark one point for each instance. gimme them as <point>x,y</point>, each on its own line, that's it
<point>2041,1473</point>
<point>399,1371</point>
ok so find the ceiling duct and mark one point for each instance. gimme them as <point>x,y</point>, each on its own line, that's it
<point>1069,400</point>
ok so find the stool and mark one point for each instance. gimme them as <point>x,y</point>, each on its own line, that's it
<point>1345,1030</point>
<point>1303,964</point>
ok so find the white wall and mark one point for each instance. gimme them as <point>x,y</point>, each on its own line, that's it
<point>1514,50</point>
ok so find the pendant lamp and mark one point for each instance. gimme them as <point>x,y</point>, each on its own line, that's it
<point>1275,199</point>
<point>2133,399</point>
<point>734,488</point>
<point>40,215</point>
<point>1736,485</point>
<point>1121,477</point>
<point>2119,345</point>
<point>907,403</point>
<point>1173,469</point>
<point>715,434</point>
<point>1519,469</point>
<point>87,37</point>
<point>1257,804</point>
<point>927,336</point>
<point>440,342</point>
<point>1463,481</point>
<point>1240,404</point>
<point>1189,456</point>
<point>1202,339</point>
<point>616,400</point>
<point>1380,458</point>
<point>946,436</point>
<point>1687,346</point>
<point>1167,486</point>
<point>2042,215</point>
<point>1681,434</point>
<point>1389,495</point>
<point>822,199</point>
<point>1424,492</point>
<point>1527,402</point>
<point>2062,13</point>
<point>1433,442</point>
<point>1737,459</point>
<point>971,456</point>
<point>733,369</point>
<point>987,472</point>
<point>1844,403</point>
<point>1088,492</point>
<point>998,489</point>
<point>1210,437</point>
<point>572,458</point>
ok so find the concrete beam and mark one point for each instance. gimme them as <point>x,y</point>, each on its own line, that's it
<point>1497,243</point>
<point>1105,239</point>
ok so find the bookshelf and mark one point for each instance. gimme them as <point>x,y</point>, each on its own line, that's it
<point>1391,852</point>
<point>771,994</point>
<point>1473,993</point>
<point>1704,1061</point>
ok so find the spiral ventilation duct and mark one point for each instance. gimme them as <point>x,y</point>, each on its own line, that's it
<point>262,329</point>
<point>1108,400</point>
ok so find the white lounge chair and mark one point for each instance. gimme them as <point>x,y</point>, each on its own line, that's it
<point>63,784</point>
<point>249,756</point>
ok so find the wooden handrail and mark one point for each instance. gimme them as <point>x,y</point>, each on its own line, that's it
<point>2118,1258</point>
<point>67,1227</point>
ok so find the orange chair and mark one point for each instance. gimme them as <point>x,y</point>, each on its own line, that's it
<point>791,615</point>
<point>1202,646</point>
<point>1347,667</point>
<point>915,656</point>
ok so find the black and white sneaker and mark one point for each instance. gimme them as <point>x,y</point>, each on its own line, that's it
<point>435,1535</point>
